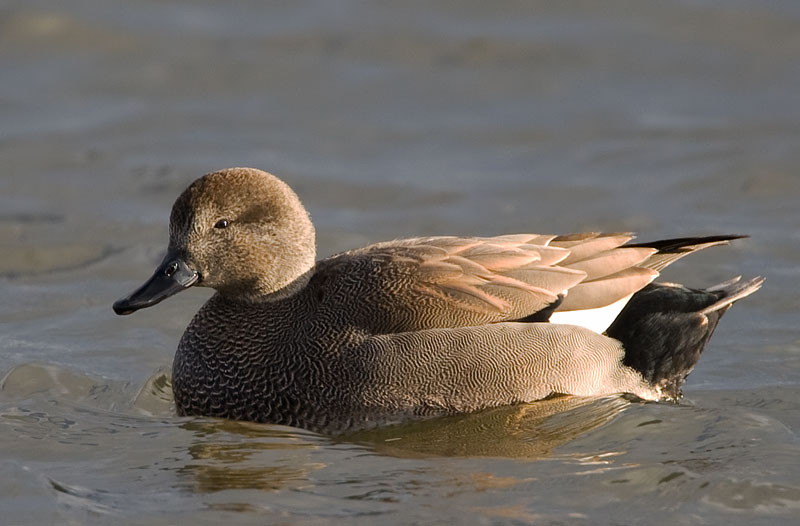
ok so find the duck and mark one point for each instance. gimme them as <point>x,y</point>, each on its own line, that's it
<point>415,328</point>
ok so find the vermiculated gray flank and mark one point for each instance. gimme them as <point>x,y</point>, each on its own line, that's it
<point>414,327</point>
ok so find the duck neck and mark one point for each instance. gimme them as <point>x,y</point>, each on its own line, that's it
<point>268,292</point>
<point>291,288</point>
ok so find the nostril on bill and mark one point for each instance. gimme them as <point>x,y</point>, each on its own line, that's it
<point>171,269</point>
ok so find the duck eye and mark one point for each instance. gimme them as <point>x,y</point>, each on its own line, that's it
<point>222,223</point>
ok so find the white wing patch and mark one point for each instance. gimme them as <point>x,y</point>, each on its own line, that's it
<point>597,320</point>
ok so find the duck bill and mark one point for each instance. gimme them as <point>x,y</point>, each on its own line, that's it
<point>171,277</point>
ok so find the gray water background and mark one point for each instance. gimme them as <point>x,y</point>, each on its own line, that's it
<point>393,119</point>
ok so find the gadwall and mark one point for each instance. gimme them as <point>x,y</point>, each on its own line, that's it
<point>415,327</point>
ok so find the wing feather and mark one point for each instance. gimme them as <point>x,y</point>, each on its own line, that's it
<point>448,281</point>
<point>610,261</point>
<point>605,291</point>
<point>592,244</point>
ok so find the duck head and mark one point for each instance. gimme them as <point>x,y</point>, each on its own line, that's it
<point>241,231</point>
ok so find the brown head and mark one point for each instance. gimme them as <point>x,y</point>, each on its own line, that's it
<point>240,231</point>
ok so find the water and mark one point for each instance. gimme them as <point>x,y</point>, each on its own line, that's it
<point>393,119</point>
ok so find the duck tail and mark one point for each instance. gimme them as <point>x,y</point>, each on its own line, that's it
<point>665,327</point>
<point>670,250</point>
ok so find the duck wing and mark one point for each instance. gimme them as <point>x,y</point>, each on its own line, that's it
<point>445,282</point>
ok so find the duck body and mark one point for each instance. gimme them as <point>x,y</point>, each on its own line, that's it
<point>320,360</point>
<point>417,327</point>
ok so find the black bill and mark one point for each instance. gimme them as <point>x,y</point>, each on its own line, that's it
<point>171,277</point>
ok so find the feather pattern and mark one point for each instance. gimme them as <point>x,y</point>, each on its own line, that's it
<point>473,280</point>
